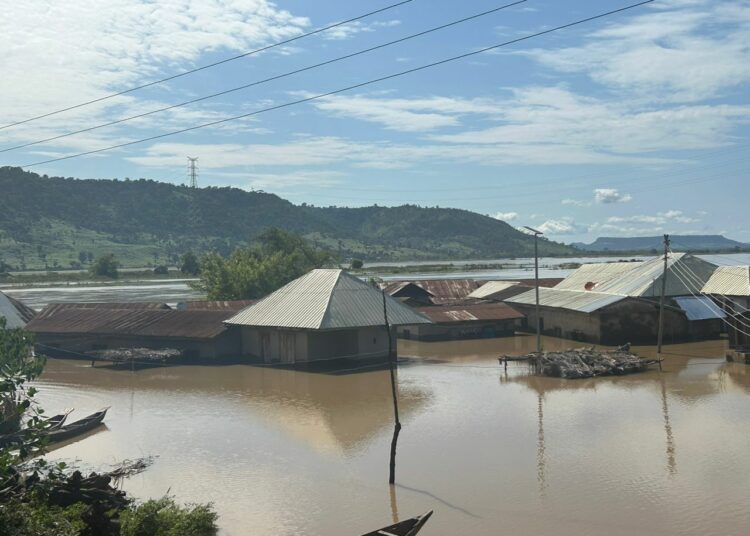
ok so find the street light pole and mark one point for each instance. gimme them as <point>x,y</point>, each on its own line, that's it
<point>536,280</point>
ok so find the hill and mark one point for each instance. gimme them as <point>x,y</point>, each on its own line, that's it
<point>650,243</point>
<point>55,221</point>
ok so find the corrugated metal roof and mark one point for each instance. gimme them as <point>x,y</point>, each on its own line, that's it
<point>492,287</point>
<point>215,305</point>
<point>135,306</point>
<point>645,279</point>
<point>591,276</point>
<point>729,281</point>
<point>133,322</point>
<point>325,299</point>
<point>446,314</point>
<point>574,300</point>
<point>699,307</point>
<point>16,314</point>
<point>448,290</point>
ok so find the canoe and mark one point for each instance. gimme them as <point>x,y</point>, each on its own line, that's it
<point>78,427</point>
<point>408,527</point>
<point>52,423</point>
<point>56,421</point>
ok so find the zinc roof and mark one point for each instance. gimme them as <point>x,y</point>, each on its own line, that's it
<point>591,276</point>
<point>699,307</point>
<point>574,300</point>
<point>16,314</point>
<point>729,281</point>
<point>684,273</point>
<point>446,314</point>
<point>326,299</point>
<point>492,287</point>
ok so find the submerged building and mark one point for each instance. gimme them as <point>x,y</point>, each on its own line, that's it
<point>730,287</point>
<point>15,313</point>
<point>615,303</point>
<point>465,321</point>
<point>325,314</point>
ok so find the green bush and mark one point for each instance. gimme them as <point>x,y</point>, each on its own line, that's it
<point>161,270</point>
<point>23,519</point>
<point>163,517</point>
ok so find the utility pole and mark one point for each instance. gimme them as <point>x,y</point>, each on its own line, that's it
<point>660,337</point>
<point>536,279</point>
<point>394,393</point>
<point>193,171</point>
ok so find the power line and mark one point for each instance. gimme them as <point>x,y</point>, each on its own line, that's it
<point>345,89</point>
<point>210,65</point>
<point>266,80</point>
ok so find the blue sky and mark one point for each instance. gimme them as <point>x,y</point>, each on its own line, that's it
<point>636,124</point>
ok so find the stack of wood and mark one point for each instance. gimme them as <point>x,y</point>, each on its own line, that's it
<point>587,363</point>
<point>145,356</point>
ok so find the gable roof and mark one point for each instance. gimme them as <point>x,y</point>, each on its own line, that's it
<point>729,281</point>
<point>326,299</point>
<point>491,288</point>
<point>592,276</point>
<point>16,314</point>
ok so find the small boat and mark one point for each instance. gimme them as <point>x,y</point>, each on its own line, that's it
<point>56,421</point>
<point>53,423</point>
<point>408,527</point>
<point>77,428</point>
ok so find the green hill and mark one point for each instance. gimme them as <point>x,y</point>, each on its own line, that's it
<point>54,221</point>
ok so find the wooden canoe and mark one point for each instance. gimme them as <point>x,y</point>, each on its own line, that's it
<point>408,527</point>
<point>77,428</point>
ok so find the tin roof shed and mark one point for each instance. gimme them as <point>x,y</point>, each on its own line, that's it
<point>326,299</point>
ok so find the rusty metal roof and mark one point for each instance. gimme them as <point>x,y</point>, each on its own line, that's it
<point>169,323</point>
<point>446,314</point>
<point>729,281</point>
<point>136,306</point>
<point>215,305</point>
<point>326,299</point>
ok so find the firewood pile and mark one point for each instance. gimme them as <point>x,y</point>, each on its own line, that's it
<point>588,363</point>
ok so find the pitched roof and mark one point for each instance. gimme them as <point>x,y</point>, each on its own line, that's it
<point>699,307</point>
<point>574,300</point>
<point>729,281</point>
<point>591,276</point>
<point>16,314</point>
<point>446,314</point>
<point>325,299</point>
<point>132,322</point>
<point>491,288</point>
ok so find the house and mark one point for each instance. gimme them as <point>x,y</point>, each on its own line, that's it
<point>78,330</point>
<point>730,287</point>
<point>15,313</point>
<point>616,303</point>
<point>409,293</point>
<point>325,314</point>
<point>464,321</point>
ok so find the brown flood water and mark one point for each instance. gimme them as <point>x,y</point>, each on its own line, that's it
<point>281,452</point>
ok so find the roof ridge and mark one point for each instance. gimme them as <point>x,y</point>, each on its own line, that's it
<point>330,295</point>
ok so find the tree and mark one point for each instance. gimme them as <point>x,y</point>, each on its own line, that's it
<point>190,265</point>
<point>357,264</point>
<point>82,257</point>
<point>251,272</point>
<point>105,266</point>
<point>161,270</point>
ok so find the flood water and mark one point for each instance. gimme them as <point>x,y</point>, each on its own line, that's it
<point>284,452</point>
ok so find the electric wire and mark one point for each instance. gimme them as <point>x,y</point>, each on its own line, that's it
<point>348,88</point>
<point>210,65</point>
<point>266,80</point>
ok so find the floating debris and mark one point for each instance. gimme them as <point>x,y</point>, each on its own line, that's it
<point>588,363</point>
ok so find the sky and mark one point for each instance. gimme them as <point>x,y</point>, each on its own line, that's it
<point>630,125</point>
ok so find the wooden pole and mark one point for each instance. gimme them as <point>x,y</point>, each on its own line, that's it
<point>394,394</point>
<point>536,281</point>
<point>660,336</point>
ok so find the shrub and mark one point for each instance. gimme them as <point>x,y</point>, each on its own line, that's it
<point>163,517</point>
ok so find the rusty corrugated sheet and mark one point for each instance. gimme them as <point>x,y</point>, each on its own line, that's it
<point>132,322</point>
<point>135,306</point>
<point>446,314</point>
<point>215,305</point>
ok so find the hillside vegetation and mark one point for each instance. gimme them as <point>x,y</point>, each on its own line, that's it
<point>48,222</point>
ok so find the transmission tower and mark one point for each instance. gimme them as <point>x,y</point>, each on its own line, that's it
<point>193,171</point>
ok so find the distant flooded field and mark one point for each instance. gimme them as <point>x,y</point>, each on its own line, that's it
<point>284,452</point>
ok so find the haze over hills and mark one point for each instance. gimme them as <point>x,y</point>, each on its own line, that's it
<point>54,221</point>
<point>649,243</point>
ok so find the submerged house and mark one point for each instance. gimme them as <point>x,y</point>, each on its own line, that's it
<point>325,314</point>
<point>81,329</point>
<point>15,313</point>
<point>730,287</point>
<point>465,321</point>
<point>615,303</point>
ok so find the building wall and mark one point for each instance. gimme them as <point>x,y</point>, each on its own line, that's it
<point>736,326</point>
<point>282,346</point>
<point>563,322</point>
<point>459,330</point>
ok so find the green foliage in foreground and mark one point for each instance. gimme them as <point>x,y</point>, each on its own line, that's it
<point>162,517</point>
<point>255,271</point>
<point>24,519</point>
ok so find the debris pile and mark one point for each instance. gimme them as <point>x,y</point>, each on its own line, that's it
<point>139,355</point>
<point>587,363</point>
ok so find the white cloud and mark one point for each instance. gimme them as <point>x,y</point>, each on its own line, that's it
<point>610,195</point>
<point>562,226</point>
<point>575,202</point>
<point>347,31</point>
<point>506,216</point>
<point>644,224</point>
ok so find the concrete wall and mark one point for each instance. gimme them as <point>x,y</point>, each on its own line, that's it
<point>282,346</point>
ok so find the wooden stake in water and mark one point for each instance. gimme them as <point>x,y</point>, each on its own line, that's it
<point>394,393</point>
